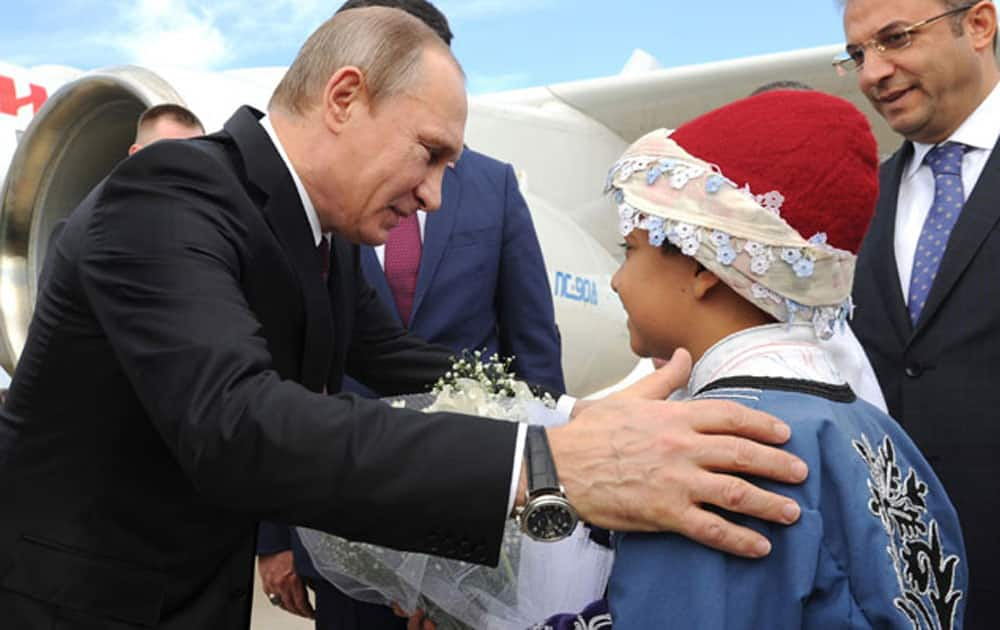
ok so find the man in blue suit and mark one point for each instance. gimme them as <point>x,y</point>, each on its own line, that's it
<point>481,283</point>
<point>469,276</point>
<point>927,283</point>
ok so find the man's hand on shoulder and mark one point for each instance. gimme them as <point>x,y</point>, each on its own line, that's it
<point>635,462</point>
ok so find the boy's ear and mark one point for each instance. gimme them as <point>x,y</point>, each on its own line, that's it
<point>704,281</point>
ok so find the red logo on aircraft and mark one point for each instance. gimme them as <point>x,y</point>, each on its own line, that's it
<point>11,104</point>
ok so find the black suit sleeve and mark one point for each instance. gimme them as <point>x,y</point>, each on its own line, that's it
<point>381,346</point>
<point>50,253</point>
<point>161,266</point>
<point>385,356</point>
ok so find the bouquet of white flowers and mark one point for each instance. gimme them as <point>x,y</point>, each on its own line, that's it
<point>533,580</point>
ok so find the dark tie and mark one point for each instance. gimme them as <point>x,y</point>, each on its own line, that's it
<point>323,249</point>
<point>324,258</point>
<point>945,161</point>
<point>402,262</point>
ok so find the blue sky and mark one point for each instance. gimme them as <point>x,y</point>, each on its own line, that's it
<point>503,44</point>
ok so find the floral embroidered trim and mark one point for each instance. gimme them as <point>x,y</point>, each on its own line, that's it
<point>598,622</point>
<point>690,239</point>
<point>723,247</point>
<point>925,573</point>
<point>680,172</point>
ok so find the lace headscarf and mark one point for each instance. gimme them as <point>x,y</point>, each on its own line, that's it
<point>738,233</point>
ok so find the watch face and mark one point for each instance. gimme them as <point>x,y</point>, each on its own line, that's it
<point>550,521</point>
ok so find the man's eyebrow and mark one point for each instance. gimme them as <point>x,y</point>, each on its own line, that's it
<point>442,145</point>
<point>894,25</point>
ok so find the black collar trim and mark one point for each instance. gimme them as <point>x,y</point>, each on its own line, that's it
<point>836,393</point>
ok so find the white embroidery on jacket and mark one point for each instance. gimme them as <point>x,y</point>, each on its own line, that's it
<point>597,622</point>
<point>730,393</point>
<point>926,575</point>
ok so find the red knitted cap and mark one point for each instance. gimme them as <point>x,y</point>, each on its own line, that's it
<point>817,150</point>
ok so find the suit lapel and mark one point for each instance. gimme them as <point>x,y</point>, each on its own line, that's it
<point>341,286</point>
<point>978,219</point>
<point>883,245</point>
<point>283,212</point>
<point>376,278</point>
<point>437,233</point>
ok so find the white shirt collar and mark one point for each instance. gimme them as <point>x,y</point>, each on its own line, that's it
<point>773,350</point>
<point>307,203</point>
<point>980,130</point>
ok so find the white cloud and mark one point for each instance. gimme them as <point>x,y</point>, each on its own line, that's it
<point>267,24</point>
<point>198,34</point>
<point>172,33</point>
<point>217,34</point>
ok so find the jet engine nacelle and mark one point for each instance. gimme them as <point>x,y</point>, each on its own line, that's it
<point>86,126</point>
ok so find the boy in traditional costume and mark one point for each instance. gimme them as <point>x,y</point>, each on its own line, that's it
<point>736,228</point>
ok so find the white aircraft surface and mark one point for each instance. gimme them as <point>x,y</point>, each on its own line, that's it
<point>62,130</point>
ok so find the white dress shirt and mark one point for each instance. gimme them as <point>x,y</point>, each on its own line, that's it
<point>313,218</point>
<point>980,132</point>
<point>307,204</point>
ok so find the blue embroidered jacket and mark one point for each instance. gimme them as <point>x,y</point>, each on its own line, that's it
<point>878,544</point>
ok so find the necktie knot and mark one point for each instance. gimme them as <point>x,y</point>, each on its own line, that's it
<point>946,159</point>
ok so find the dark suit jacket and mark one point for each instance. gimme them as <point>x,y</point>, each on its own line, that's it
<point>482,284</point>
<point>169,396</point>
<point>940,376</point>
<point>46,270</point>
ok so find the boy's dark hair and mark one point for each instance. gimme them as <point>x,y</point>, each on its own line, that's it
<point>420,9</point>
<point>669,249</point>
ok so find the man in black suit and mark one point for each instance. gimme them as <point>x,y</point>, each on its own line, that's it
<point>927,285</point>
<point>204,299</point>
<point>483,230</point>
<point>166,121</point>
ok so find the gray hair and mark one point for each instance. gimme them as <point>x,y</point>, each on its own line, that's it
<point>386,45</point>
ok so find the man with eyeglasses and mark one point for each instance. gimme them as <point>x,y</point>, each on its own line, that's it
<point>927,285</point>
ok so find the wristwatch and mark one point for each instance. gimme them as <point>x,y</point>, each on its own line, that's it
<point>547,515</point>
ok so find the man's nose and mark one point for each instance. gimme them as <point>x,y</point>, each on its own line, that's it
<point>429,191</point>
<point>875,70</point>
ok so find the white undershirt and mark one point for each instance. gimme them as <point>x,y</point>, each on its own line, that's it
<point>980,131</point>
<point>307,204</point>
<point>788,351</point>
<point>313,219</point>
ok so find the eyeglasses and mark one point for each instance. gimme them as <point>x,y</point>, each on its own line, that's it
<point>890,38</point>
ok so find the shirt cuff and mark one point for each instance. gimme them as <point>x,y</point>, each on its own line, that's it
<point>515,477</point>
<point>565,405</point>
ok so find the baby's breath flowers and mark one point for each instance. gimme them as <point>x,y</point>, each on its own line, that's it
<point>456,594</point>
<point>485,387</point>
<point>493,373</point>
<point>480,386</point>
